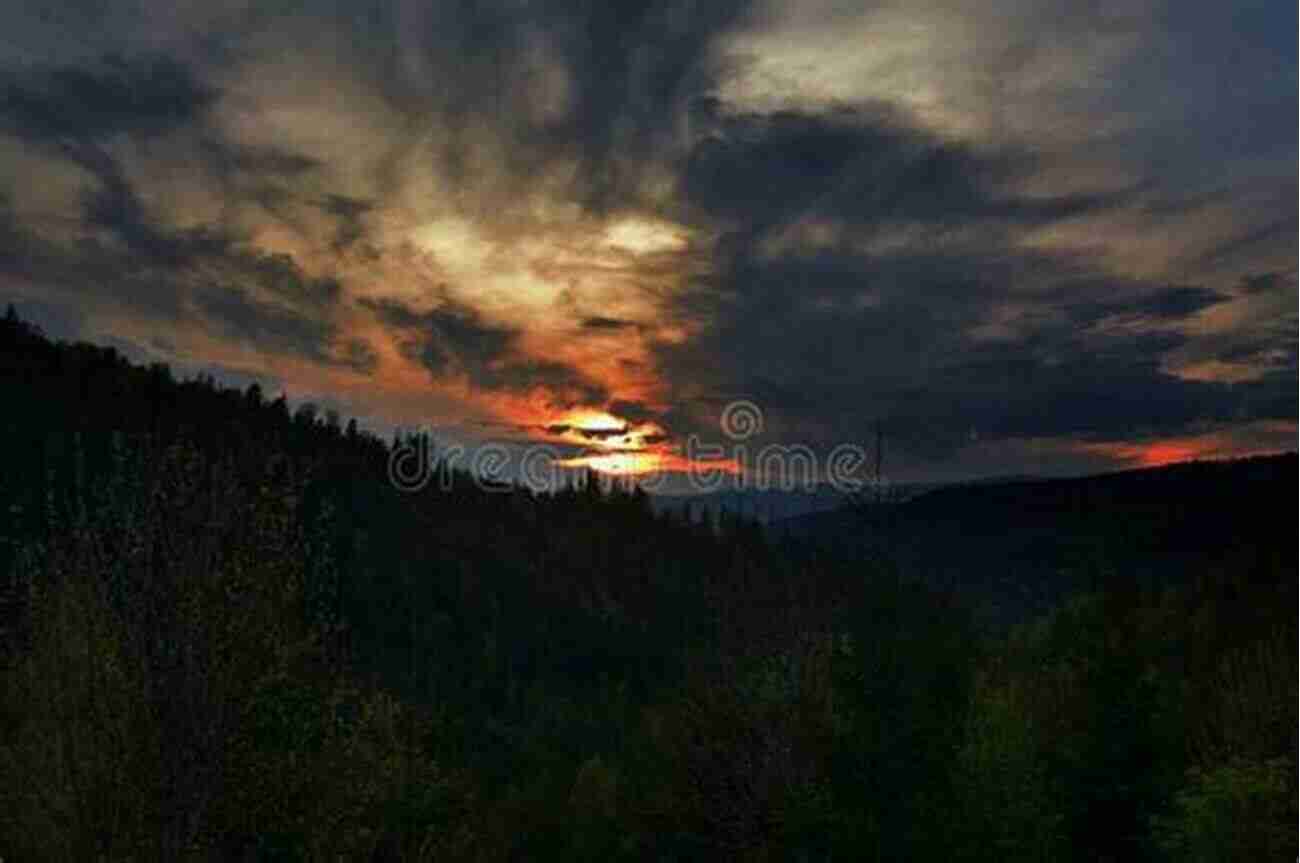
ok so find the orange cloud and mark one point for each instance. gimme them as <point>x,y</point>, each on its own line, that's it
<point>622,448</point>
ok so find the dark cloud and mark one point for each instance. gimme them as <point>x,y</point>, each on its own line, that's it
<point>848,266</point>
<point>144,96</point>
<point>116,208</point>
<point>349,212</point>
<point>278,274</point>
<point>623,75</point>
<point>636,65</point>
<point>598,322</point>
<point>267,176</point>
<point>229,159</point>
<point>945,335</point>
<point>395,313</point>
<point>79,274</point>
<point>1268,283</point>
<point>632,411</point>
<point>358,355</point>
<point>832,342</point>
<point>1268,224</point>
<point>1265,338</point>
<point>163,273</point>
<point>72,112</point>
<point>863,167</point>
<point>567,386</point>
<point>250,297</point>
<point>1176,302</point>
<point>453,338</point>
<point>243,318</point>
<point>1252,240</point>
<point>1010,393</point>
<point>1093,300</point>
<point>602,433</point>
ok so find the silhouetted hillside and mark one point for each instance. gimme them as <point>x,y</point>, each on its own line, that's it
<point>1017,547</point>
<point>226,635</point>
<point>79,415</point>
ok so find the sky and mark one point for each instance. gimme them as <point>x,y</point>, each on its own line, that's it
<point>1024,236</point>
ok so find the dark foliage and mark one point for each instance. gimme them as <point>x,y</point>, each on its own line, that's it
<point>227,636</point>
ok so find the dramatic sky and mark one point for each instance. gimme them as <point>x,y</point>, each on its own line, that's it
<point>1016,236</point>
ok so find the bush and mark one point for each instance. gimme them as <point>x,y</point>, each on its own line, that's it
<point>171,700</point>
<point>1243,811</point>
<point>1005,808</point>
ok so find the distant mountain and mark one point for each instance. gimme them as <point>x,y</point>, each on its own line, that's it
<point>774,506</point>
<point>1017,546</point>
<point>765,506</point>
<point>998,480</point>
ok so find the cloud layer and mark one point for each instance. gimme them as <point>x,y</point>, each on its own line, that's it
<point>1002,233</point>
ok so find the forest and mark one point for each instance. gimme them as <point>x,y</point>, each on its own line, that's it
<point>225,635</point>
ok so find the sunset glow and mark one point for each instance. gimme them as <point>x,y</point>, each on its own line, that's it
<point>594,229</point>
<point>1208,446</point>
<point>642,463</point>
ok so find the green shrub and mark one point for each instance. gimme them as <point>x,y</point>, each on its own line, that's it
<point>1005,808</point>
<point>1242,811</point>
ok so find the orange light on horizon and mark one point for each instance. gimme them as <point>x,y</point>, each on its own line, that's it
<point>642,463</point>
<point>616,463</point>
<point>1158,453</point>
<point>1172,452</point>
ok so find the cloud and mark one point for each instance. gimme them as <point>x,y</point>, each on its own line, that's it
<point>908,342</point>
<point>350,213</point>
<point>454,340</point>
<point>233,159</point>
<point>173,276</point>
<point>147,96</point>
<point>999,224</point>
<point>873,273</point>
<point>116,208</point>
<point>582,100</point>
<point>598,322</point>
<point>242,318</point>
<point>602,433</point>
<point>74,112</point>
<point>1176,302</point>
<point>633,411</point>
<point>862,167</point>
